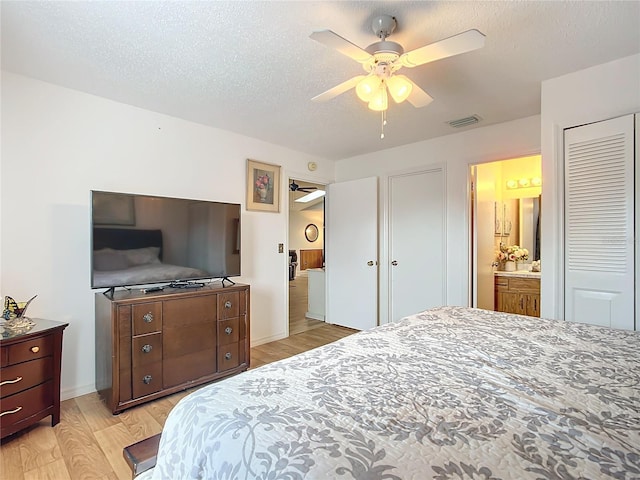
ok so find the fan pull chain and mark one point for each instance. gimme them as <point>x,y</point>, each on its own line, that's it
<point>383,122</point>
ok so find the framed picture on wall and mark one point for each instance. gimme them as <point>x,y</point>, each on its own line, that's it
<point>263,186</point>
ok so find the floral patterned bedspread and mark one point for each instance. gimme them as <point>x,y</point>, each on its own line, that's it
<point>450,393</point>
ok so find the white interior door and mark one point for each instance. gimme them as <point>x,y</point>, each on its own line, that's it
<point>599,223</point>
<point>417,248</point>
<point>351,253</point>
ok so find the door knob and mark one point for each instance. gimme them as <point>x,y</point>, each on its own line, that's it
<point>394,263</point>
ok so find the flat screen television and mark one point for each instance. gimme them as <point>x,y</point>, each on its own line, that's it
<point>146,240</point>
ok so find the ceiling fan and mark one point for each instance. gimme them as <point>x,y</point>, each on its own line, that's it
<point>381,60</point>
<point>294,187</point>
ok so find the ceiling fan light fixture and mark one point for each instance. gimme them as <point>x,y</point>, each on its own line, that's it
<point>367,87</point>
<point>379,102</point>
<point>399,87</point>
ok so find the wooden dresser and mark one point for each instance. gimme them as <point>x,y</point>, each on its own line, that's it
<point>152,345</point>
<point>517,294</point>
<point>30,376</point>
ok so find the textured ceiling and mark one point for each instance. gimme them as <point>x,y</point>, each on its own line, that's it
<point>250,67</point>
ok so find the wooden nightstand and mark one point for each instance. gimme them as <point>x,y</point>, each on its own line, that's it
<point>30,376</point>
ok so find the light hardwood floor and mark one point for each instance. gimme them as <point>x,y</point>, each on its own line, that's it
<point>88,441</point>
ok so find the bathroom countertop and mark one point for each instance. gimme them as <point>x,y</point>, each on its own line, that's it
<point>518,273</point>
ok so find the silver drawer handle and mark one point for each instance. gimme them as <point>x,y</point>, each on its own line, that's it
<point>9,412</point>
<point>6,382</point>
<point>228,330</point>
<point>227,356</point>
<point>227,304</point>
<point>147,379</point>
<point>147,348</point>
<point>148,317</point>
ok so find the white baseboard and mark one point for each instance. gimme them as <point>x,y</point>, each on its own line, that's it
<point>73,392</point>
<point>261,341</point>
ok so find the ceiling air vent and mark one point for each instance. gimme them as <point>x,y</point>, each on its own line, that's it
<point>464,122</point>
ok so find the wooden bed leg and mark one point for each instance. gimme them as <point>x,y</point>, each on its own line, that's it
<point>141,456</point>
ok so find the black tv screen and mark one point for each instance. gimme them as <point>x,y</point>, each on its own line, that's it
<point>143,239</point>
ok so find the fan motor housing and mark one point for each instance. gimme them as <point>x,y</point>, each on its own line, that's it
<point>385,47</point>
<point>383,26</point>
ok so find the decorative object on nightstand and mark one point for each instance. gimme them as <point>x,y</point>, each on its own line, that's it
<point>15,317</point>
<point>30,375</point>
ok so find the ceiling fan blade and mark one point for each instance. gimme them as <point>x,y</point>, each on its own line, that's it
<point>307,189</point>
<point>461,43</point>
<point>338,89</point>
<point>418,97</point>
<point>344,46</point>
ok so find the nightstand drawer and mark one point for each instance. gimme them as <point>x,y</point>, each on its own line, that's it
<point>30,350</point>
<point>19,377</point>
<point>25,404</point>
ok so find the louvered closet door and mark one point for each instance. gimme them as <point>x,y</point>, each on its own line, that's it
<point>599,223</point>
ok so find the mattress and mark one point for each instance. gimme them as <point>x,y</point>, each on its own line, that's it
<point>450,393</point>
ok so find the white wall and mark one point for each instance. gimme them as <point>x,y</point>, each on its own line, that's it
<point>457,151</point>
<point>57,144</point>
<point>597,93</point>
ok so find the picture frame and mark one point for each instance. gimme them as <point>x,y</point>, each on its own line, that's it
<point>113,209</point>
<point>263,186</point>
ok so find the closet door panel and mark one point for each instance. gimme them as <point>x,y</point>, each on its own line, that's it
<point>599,223</point>
<point>417,243</point>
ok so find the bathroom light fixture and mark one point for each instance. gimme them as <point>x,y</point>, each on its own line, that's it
<point>311,196</point>
<point>524,183</point>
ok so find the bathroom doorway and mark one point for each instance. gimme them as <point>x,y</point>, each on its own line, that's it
<point>505,211</point>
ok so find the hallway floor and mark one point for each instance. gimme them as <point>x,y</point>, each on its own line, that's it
<point>298,304</point>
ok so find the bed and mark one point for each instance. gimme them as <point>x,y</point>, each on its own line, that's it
<point>449,393</point>
<point>127,256</point>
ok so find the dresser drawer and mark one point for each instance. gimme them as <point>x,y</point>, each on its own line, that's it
<point>228,305</point>
<point>228,357</point>
<point>25,375</point>
<point>30,350</point>
<point>147,379</point>
<point>147,318</point>
<point>25,404</point>
<point>228,331</point>
<point>147,349</point>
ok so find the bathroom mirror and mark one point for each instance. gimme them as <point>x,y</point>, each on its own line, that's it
<point>311,232</point>
<point>529,226</point>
